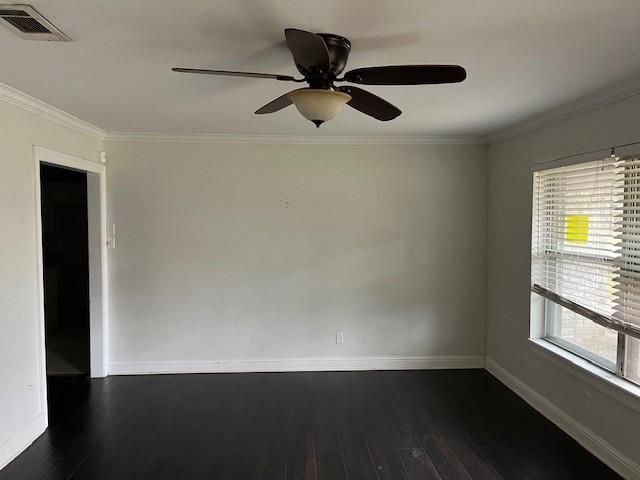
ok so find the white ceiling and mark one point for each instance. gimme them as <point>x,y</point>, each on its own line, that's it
<point>522,58</point>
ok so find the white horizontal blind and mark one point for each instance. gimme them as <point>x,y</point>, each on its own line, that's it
<point>574,243</point>
<point>586,237</point>
<point>627,296</point>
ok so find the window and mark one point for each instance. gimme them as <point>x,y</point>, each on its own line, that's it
<point>585,260</point>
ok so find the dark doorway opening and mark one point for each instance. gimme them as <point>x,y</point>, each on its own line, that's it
<point>65,246</point>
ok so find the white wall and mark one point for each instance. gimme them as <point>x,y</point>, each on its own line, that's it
<point>251,254</point>
<point>255,255</point>
<point>510,200</point>
<point>21,409</point>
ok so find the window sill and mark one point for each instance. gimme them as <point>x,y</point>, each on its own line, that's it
<point>606,382</point>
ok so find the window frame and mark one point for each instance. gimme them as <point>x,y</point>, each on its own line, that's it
<point>551,310</point>
<point>544,319</point>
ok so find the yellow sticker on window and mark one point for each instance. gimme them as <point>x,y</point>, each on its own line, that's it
<point>576,229</point>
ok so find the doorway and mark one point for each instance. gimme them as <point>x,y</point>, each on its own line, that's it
<point>72,276</point>
<point>72,267</point>
<point>65,261</point>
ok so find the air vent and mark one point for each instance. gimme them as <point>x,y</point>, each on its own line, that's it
<point>25,21</point>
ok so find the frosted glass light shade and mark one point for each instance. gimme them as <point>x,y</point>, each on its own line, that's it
<point>318,105</point>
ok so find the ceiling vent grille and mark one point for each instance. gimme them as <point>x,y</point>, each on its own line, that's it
<point>26,22</point>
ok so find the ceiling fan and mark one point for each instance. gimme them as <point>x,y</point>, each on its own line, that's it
<point>321,58</point>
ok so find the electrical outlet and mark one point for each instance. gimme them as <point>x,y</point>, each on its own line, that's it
<point>339,337</point>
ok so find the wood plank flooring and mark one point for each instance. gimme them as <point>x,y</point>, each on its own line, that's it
<point>453,424</point>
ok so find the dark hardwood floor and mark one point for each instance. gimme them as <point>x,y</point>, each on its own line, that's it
<point>455,424</point>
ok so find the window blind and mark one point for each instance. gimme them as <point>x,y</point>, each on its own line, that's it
<point>627,295</point>
<point>586,240</point>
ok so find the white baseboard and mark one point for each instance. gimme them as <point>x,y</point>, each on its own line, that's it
<point>298,364</point>
<point>585,437</point>
<point>15,445</point>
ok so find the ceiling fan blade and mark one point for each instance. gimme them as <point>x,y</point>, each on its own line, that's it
<point>275,105</point>
<point>370,104</point>
<point>406,75</point>
<point>308,49</point>
<point>285,78</point>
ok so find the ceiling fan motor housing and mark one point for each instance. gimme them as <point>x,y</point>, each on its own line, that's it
<point>339,48</point>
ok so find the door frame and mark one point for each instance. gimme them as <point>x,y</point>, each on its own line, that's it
<point>98,327</point>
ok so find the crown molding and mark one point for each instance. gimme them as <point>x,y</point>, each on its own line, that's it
<point>536,122</point>
<point>293,139</point>
<point>31,104</point>
<point>578,107</point>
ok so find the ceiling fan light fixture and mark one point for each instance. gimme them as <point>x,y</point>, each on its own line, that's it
<point>318,105</point>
